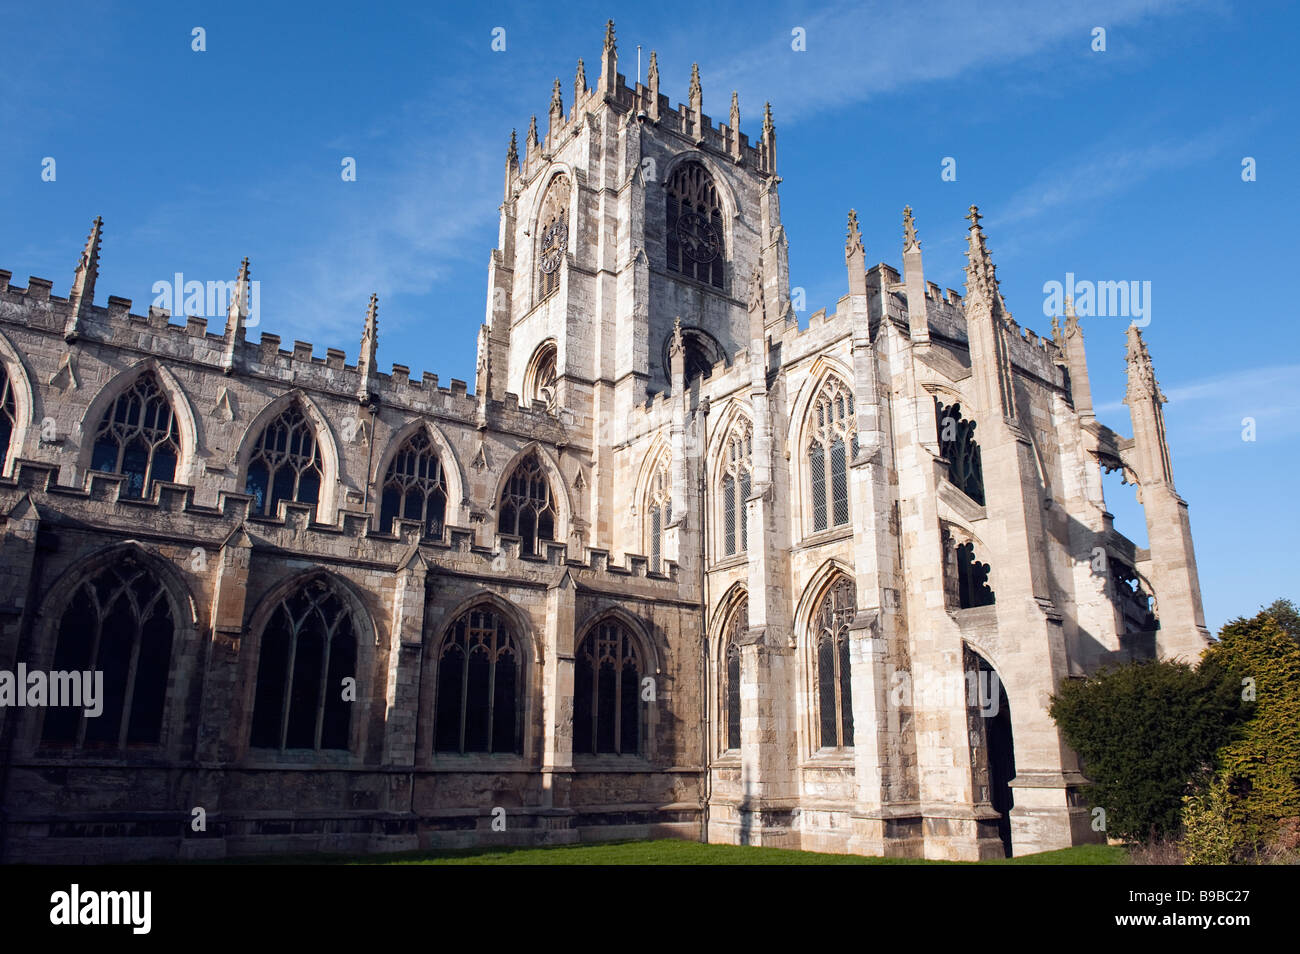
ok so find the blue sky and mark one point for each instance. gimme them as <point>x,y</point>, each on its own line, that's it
<point>1115,165</point>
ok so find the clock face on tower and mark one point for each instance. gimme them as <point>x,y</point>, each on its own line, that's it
<point>554,242</point>
<point>699,239</point>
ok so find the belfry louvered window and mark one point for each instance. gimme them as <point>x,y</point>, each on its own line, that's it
<point>736,487</point>
<point>285,463</point>
<point>480,686</point>
<point>832,442</point>
<point>527,507</point>
<point>138,437</point>
<point>831,644</point>
<point>694,234</point>
<point>659,512</point>
<point>308,650</point>
<point>118,623</point>
<point>414,487</point>
<point>737,627</point>
<point>607,692</point>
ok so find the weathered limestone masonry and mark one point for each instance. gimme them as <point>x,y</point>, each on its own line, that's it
<point>675,567</point>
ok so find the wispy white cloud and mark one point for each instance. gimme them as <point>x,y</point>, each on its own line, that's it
<point>858,51</point>
<point>1206,415</point>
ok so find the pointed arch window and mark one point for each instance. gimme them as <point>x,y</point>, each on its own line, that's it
<point>308,649</point>
<point>8,414</point>
<point>480,686</point>
<point>958,447</point>
<point>737,482</point>
<point>415,487</point>
<point>737,627</point>
<point>831,644</point>
<point>833,440</point>
<point>119,623</point>
<point>527,506</point>
<point>694,233</point>
<point>552,235</point>
<point>138,437</point>
<point>285,463</point>
<point>659,512</point>
<point>607,710</point>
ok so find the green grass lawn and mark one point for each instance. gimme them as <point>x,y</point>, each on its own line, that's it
<point>675,852</point>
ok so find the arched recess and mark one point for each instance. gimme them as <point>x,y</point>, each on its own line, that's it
<point>603,707</point>
<point>17,406</point>
<point>531,665</point>
<point>806,615</point>
<point>703,352</point>
<point>186,421</point>
<point>331,475</point>
<point>825,371</point>
<point>727,627</point>
<point>186,643</point>
<point>541,375</point>
<point>451,468</point>
<point>656,461</point>
<point>989,720</point>
<point>558,486</point>
<point>363,629</point>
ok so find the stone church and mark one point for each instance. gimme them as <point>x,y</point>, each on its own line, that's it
<point>675,566</point>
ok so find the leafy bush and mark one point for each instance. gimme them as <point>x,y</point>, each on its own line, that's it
<point>1260,768</point>
<point>1147,734</point>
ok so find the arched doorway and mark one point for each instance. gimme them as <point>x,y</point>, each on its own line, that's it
<point>993,754</point>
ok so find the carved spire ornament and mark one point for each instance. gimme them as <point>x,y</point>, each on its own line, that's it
<point>910,241</point>
<point>83,283</point>
<point>369,349</point>
<point>853,242</point>
<point>236,316</point>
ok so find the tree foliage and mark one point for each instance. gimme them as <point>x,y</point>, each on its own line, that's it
<point>1261,765</point>
<point>1147,734</point>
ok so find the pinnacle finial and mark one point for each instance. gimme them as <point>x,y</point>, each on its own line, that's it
<point>88,263</point>
<point>610,46</point>
<point>853,241</point>
<point>974,216</point>
<point>579,82</point>
<point>910,241</point>
<point>695,79</point>
<point>557,99</point>
<point>735,111</point>
<point>652,73</point>
<point>531,141</point>
<point>512,151</point>
<point>83,282</point>
<point>372,313</point>
<point>768,125</point>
